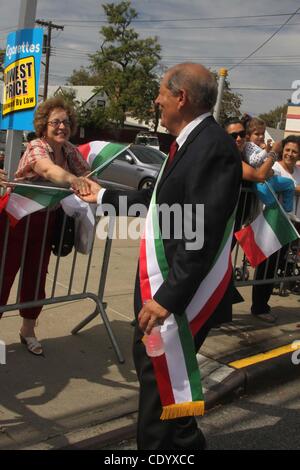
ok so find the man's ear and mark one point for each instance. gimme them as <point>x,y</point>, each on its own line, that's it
<point>182,98</point>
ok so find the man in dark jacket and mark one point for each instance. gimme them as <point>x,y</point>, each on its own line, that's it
<point>206,169</point>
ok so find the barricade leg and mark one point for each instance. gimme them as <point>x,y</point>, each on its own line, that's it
<point>100,305</point>
<point>87,320</point>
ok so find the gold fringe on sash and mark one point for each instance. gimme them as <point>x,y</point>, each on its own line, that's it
<point>179,410</point>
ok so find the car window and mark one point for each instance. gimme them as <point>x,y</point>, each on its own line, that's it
<point>148,155</point>
<point>122,157</point>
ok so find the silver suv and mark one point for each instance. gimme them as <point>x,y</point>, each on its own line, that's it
<point>147,138</point>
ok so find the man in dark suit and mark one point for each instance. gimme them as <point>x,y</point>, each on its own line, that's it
<point>206,169</point>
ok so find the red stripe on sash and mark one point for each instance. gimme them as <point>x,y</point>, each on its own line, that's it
<point>144,278</point>
<point>163,380</point>
<point>212,302</point>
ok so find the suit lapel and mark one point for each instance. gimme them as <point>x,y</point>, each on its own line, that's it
<point>182,149</point>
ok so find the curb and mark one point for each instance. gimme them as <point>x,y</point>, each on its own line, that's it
<point>237,383</point>
<point>277,370</point>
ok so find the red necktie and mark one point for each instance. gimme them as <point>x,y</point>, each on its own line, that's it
<point>172,152</point>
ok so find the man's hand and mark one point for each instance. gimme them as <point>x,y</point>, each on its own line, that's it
<point>94,189</point>
<point>80,186</point>
<point>152,314</point>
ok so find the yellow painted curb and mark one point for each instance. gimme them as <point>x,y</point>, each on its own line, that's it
<point>249,361</point>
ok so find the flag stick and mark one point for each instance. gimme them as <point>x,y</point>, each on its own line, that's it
<point>38,186</point>
<point>102,166</point>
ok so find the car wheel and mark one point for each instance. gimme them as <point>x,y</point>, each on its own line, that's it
<point>146,183</point>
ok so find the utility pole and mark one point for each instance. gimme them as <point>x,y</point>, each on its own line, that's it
<point>50,26</point>
<point>222,76</point>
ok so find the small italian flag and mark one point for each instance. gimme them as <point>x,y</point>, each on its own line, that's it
<point>99,153</point>
<point>266,234</point>
<point>24,200</point>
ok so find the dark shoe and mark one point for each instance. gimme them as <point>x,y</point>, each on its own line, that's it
<point>268,317</point>
<point>32,344</point>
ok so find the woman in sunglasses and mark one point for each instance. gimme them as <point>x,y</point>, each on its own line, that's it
<point>236,128</point>
<point>50,157</point>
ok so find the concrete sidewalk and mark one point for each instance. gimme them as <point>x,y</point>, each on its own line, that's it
<point>80,396</point>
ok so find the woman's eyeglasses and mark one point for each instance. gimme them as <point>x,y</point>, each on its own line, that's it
<point>241,134</point>
<point>58,122</point>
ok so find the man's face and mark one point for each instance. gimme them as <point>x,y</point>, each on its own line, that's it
<point>169,107</point>
<point>237,131</point>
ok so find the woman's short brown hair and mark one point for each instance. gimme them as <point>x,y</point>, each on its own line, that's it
<point>44,110</point>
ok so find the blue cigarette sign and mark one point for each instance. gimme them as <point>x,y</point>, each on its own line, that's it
<point>21,78</point>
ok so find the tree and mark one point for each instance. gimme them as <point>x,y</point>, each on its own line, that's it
<point>124,66</point>
<point>276,117</point>
<point>82,77</point>
<point>87,117</point>
<point>231,102</point>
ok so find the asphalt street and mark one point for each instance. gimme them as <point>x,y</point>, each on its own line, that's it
<point>267,420</point>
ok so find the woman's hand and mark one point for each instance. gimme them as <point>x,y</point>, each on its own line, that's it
<point>81,186</point>
<point>94,189</point>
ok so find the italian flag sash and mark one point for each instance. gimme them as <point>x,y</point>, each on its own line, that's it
<point>177,371</point>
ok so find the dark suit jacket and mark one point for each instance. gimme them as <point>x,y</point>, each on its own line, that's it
<point>206,170</point>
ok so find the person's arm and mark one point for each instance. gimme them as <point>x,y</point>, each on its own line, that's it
<point>297,189</point>
<point>121,201</point>
<point>259,175</point>
<point>54,173</point>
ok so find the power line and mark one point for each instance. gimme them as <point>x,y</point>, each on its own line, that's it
<point>266,57</point>
<point>235,26</point>
<point>260,89</point>
<point>265,42</point>
<point>160,20</point>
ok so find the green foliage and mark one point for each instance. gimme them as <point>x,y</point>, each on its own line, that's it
<point>275,116</point>
<point>124,66</point>
<point>82,77</point>
<point>70,97</point>
<point>92,116</point>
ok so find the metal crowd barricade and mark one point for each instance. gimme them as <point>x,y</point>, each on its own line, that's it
<point>97,297</point>
<point>285,268</point>
<point>285,272</point>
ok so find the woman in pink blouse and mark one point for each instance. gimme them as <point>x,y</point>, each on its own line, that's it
<point>53,158</point>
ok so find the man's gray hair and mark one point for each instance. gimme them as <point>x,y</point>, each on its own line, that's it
<point>202,90</point>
